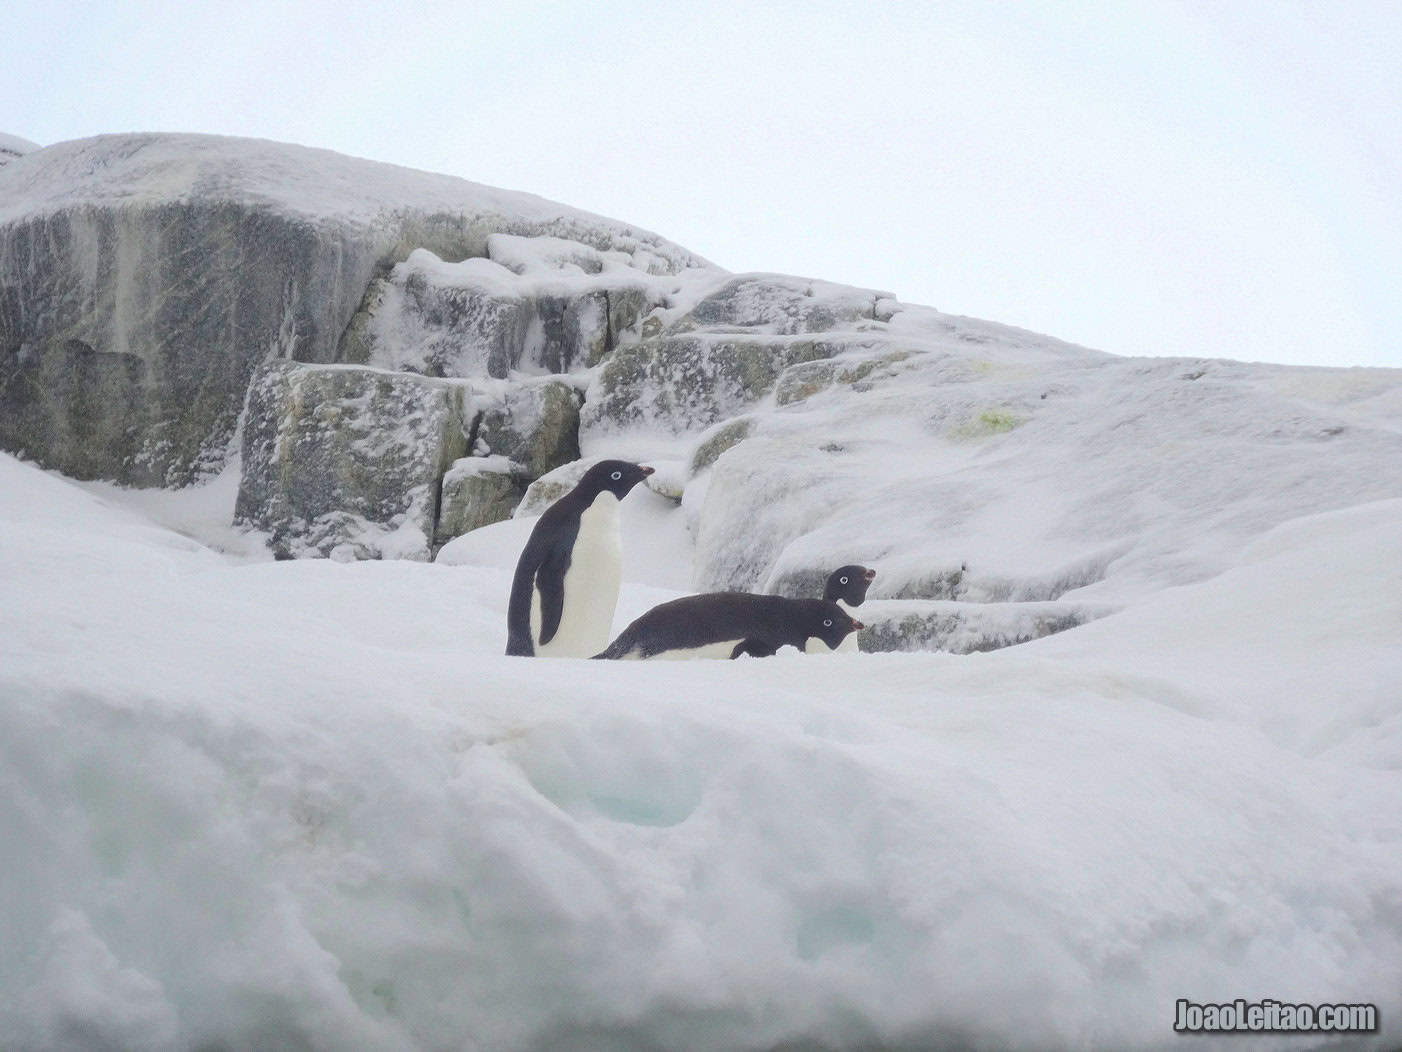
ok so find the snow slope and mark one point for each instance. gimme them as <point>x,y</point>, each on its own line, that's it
<point>966,460</point>
<point>160,169</point>
<point>12,146</point>
<point>308,804</point>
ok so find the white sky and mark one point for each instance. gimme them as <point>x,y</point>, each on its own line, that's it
<point>1143,176</point>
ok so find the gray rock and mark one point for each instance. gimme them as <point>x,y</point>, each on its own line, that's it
<point>568,331</point>
<point>806,379</point>
<point>168,267</point>
<point>416,321</point>
<point>347,455</point>
<point>171,306</point>
<point>359,339</point>
<point>535,424</point>
<point>687,383</point>
<point>716,441</point>
<point>476,318</point>
<point>547,489</point>
<point>782,304</point>
<point>477,491</point>
<point>627,305</point>
<point>71,405</point>
<point>966,628</point>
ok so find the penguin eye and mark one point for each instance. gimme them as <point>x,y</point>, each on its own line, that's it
<point>617,475</point>
<point>827,623</point>
<point>842,580</point>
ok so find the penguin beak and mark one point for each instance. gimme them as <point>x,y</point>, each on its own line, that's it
<point>871,575</point>
<point>647,471</point>
<point>858,624</point>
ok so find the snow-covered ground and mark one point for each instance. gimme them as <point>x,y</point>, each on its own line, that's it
<point>12,146</point>
<point>309,804</point>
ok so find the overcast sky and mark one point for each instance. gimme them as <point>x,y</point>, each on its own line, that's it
<point>1141,176</point>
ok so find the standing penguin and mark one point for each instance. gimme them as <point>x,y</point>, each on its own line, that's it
<point>728,624</point>
<point>847,587</point>
<point>566,584</point>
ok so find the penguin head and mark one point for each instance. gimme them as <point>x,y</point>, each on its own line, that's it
<point>611,476</point>
<point>831,625</point>
<point>849,583</point>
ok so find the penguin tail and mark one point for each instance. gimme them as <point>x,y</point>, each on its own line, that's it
<point>516,646</point>
<point>615,650</point>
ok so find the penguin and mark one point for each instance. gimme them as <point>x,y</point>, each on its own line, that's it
<point>847,587</point>
<point>728,624</point>
<point>566,584</point>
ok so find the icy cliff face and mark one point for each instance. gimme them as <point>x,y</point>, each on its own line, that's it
<point>147,276</point>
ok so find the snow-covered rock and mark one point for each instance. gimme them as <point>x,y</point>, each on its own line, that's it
<point>716,440</point>
<point>476,492</point>
<point>781,304</point>
<point>967,628</point>
<point>725,352</point>
<point>860,371</point>
<point>12,147</point>
<point>684,384</point>
<point>535,423</point>
<point>480,317</point>
<point>668,478</point>
<point>169,266</point>
<point>970,463</point>
<point>346,458</point>
<point>550,487</point>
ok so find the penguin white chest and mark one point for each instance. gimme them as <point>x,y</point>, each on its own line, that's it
<point>848,644</point>
<point>590,587</point>
<point>710,651</point>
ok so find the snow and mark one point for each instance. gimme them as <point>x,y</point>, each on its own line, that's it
<point>1031,473</point>
<point>309,804</point>
<point>12,146</point>
<point>158,168</point>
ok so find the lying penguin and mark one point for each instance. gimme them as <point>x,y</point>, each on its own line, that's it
<point>847,587</point>
<point>728,624</point>
<point>566,585</point>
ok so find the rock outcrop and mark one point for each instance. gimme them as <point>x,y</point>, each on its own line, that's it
<point>534,423</point>
<point>149,276</point>
<point>480,318</point>
<point>547,489</point>
<point>780,304</point>
<point>967,628</point>
<point>348,458</point>
<point>414,356</point>
<point>477,491</point>
<point>686,383</point>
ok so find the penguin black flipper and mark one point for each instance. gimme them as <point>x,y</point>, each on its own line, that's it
<point>542,566</point>
<point>518,613</point>
<point>550,581</point>
<point>753,647</point>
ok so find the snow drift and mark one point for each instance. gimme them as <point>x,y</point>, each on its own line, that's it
<point>308,804</point>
